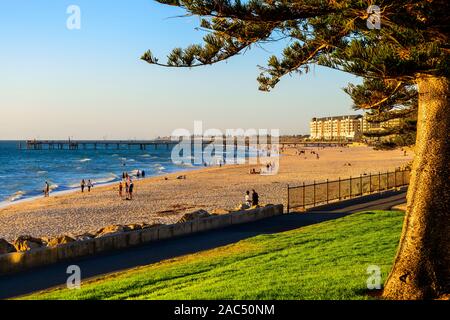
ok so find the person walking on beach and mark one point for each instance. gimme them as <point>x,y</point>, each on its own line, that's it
<point>121,189</point>
<point>127,189</point>
<point>82,185</point>
<point>130,190</point>
<point>89,185</point>
<point>46,189</point>
<point>255,198</point>
<point>143,174</point>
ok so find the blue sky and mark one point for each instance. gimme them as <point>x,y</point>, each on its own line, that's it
<point>90,83</point>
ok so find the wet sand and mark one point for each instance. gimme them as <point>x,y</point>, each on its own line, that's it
<point>157,200</point>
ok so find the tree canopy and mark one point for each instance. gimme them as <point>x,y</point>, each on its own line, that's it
<point>413,38</point>
<point>391,106</point>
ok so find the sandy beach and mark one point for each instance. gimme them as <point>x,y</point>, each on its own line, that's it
<point>214,189</point>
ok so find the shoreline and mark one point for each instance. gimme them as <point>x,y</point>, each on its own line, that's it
<point>5,204</point>
<point>69,190</point>
<point>18,196</point>
<point>165,199</point>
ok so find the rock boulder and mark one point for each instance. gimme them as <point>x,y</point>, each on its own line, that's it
<point>6,247</point>
<point>219,211</point>
<point>26,243</point>
<point>194,215</point>
<point>84,237</point>
<point>109,230</point>
<point>54,242</point>
<point>132,227</point>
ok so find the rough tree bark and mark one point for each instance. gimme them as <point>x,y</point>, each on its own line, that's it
<point>422,266</point>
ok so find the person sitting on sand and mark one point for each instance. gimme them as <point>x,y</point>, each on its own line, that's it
<point>89,185</point>
<point>255,198</point>
<point>82,185</point>
<point>46,189</point>
<point>247,199</point>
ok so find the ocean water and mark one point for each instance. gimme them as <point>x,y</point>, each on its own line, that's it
<point>24,172</point>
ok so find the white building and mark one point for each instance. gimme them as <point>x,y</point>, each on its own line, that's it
<point>334,128</point>
<point>348,127</point>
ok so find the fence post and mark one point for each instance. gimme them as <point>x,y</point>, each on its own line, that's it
<point>360,185</point>
<point>288,198</point>
<point>327,192</point>
<point>387,180</point>
<point>350,187</point>
<point>339,187</point>
<point>379,181</point>
<point>314,193</point>
<point>304,197</point>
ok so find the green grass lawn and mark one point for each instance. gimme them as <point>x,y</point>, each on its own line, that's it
<point>323,261</point>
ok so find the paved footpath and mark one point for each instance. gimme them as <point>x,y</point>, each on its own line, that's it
<point>55,275</point>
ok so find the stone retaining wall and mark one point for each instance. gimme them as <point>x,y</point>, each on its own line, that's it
<point>20,261</point>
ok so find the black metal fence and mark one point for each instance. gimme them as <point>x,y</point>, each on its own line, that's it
<point>310,195</point>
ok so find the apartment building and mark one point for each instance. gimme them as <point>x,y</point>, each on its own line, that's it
<point>347,127</point>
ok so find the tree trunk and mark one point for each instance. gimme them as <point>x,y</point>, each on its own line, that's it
<point>422,266</point>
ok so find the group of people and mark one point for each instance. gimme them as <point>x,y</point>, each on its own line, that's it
<point>316,153</point>
<point>128,185</point>
<point>303,152</point>
<point>139,174</point>
<point>268,168</point>
<point>253,171</point>
<point>253,199</point>
<point>89,185</point>
<point>125,184</point>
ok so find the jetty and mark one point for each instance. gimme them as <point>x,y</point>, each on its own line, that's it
<point>146,144</point>
<point>95,144</point>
